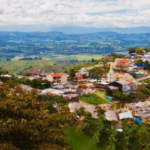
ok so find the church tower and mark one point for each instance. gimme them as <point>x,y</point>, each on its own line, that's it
<point>111,73</point>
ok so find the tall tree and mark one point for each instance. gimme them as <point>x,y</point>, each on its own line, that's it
<point>96,73</point>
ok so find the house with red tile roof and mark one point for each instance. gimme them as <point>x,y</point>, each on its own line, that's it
<point>57,77</point>
<point>122,64</point>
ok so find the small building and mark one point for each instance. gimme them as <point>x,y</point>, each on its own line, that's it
<point>125,63</point>
<point>83,73</point>
<point>6,75</point>
<point>132,55</point>
<point>138,57</point>
<point>19,76</point>
<point>52,91</point>
<point>109,98</point>
<point>28,89</point>
<point>90,108</point>
<point>111,116</point>
<point>101,86</point>
<point>124,86</point>
<point>146,57</point>
<point>57,77</point>
<point>34,77</point>
<point>71,97</point>
<point>125,115</point>
<point>72,87</point>
<point>141,65</point>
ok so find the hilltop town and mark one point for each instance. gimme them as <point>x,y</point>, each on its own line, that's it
<point>119,87</point>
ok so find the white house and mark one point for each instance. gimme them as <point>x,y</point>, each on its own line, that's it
<point>57,77</point>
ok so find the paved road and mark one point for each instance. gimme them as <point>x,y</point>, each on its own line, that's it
<point>143,78</point>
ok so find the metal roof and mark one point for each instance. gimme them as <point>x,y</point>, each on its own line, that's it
<point>125,115</point>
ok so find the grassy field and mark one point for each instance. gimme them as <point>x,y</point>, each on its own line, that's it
<point>58,63</point>
<point>69,57</point>
<point>91,99</point>
<point>87,57</point>
<point>24,66</point>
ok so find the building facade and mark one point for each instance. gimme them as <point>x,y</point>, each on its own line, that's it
<point>116,76</point>
<point>57,77</point>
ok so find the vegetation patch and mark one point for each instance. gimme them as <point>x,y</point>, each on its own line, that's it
<point>92,99</point>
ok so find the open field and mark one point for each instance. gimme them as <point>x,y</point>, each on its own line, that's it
<point>92,99</point>
<point>58,63</point>
<point>69,57</point>
<point>87,57</point>
<point>24,65</point>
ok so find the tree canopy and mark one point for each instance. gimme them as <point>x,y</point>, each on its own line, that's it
<point>37,122</point>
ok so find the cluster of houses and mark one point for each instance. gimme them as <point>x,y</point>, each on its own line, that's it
<point>137,112</point>
<point>119,78</point>
<point>145,57</point>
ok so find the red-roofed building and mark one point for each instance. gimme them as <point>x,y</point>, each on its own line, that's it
<point>122,64</point>
<point>57,77</point>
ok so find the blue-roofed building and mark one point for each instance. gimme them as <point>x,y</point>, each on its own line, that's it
<point>132,55</point>
<point>138,120</point>
<point>141,65</point>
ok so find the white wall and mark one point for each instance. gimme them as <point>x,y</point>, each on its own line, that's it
<point>49,78</point>
<point>64,78</point>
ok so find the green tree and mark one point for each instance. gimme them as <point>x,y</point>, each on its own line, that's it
<point>122,97</point>
<point>72,73</point>
<point>29,121</point>
<point>132,50</point>
<point>96,73</point>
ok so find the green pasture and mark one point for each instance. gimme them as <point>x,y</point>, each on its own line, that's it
<point>24,66</point>
<point>69,57</point>
<point>92,99</point>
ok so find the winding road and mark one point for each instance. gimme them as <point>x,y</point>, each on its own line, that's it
<point>143,78</point>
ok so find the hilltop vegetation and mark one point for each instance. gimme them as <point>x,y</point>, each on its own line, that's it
<point>24,66</point>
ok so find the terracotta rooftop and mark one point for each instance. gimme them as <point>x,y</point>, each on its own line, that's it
<point>129,80</point>
<point>55,74</point>
<point>123,60</point>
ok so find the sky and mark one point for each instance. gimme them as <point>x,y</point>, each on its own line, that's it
<point>47,14</point>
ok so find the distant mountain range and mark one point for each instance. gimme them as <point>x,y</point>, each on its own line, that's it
<point>83,30</point>
<point>74,29</point>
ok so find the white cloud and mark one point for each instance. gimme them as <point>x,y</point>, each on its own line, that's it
<point>95,13</point>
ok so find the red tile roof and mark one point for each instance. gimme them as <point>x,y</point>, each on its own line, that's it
<point>79,78</point>
<point>123,60</point>
<point>55,74</point>
<point>129,80</point>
